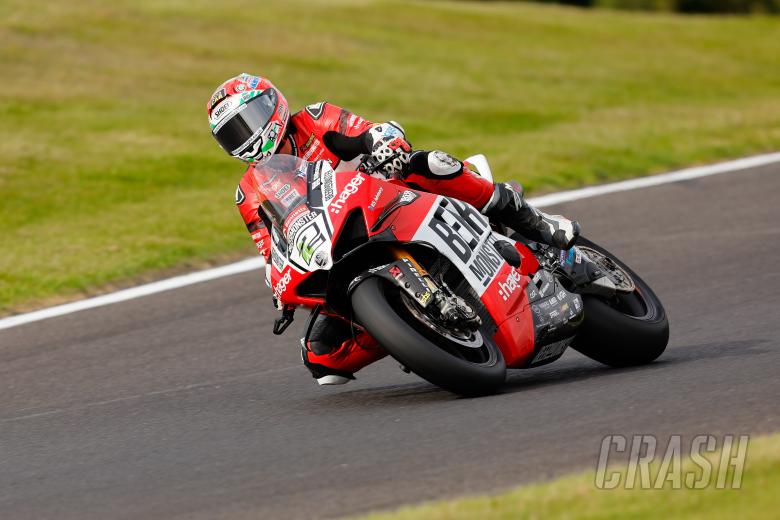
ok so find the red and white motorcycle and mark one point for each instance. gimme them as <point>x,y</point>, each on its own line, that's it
<point>454,299</point>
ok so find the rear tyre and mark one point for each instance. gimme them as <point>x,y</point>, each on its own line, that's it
<point>629,329</point>
<point>478,371</point>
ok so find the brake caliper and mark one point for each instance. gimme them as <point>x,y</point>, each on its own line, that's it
<point>454,312</point>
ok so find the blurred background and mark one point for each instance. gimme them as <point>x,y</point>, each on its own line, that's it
<point>682,6</point>
<point>109,175</point>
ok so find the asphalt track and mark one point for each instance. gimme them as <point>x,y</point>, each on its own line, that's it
<point>183,405</point>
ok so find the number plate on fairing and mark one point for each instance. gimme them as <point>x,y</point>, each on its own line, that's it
<point>463,234</point>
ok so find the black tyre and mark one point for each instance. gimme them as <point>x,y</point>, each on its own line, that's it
<point>469,371</point>
<point>629,329</point>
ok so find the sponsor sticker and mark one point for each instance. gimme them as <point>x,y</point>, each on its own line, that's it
<point>459,230</point>
<point>375,199</point>
<point>291,196</point>
<point>396,272</point>
<point>352,187</point>
<point>309,142</point>
<point>509,285</point>
<point>218,96</point>
<point>328,185</point>
<point>280,287</point>
<point>222,109</point>
<point>301,221</point>
<point>282,191</point>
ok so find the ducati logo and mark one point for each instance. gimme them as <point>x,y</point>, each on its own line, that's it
<point>315,110</point>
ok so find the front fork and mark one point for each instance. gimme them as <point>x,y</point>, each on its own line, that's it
<point>435,299</point>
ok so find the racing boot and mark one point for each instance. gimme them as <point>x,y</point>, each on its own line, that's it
<point>333,355</point>
<point>509,207</point>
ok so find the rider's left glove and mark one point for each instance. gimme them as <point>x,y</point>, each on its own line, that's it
<point>389,151</point>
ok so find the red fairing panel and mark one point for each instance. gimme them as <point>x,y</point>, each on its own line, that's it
<point>373,195</point>
<point>342,193</point>
<point>507,297</point>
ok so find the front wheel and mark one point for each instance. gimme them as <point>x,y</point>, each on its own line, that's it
<point>469,369</point>
<point>627,329</point>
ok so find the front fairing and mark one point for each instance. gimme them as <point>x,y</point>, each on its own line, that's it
<point>299,233</point>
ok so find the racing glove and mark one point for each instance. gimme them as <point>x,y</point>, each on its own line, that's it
<point>389,151</point>
<point>384,147</point>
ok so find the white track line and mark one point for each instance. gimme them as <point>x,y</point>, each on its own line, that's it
<point>251,264</point>
<point>654,180</point>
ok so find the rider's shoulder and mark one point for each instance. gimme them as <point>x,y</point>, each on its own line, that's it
<point>319,118</point>
<point>246,177</point>
<point>315,112</point>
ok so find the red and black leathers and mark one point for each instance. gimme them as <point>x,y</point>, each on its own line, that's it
<point>325,132</point>
<point>332,347</point>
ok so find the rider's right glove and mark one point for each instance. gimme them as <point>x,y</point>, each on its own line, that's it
<point>388,149</point>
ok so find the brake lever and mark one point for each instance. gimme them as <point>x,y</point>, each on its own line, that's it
<point>282,322</point>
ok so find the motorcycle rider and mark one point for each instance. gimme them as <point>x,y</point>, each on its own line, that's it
<point>250,119</point>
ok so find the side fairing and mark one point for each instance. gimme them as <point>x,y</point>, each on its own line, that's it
<point>464,235</point>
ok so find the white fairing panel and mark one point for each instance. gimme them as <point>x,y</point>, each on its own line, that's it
<point>463,234</point>
<point>481,163</point>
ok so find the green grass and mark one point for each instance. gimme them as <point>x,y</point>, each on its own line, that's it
<point>577,497</point>
<point>108,171</point>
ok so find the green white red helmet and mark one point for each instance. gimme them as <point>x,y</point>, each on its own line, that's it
<point>248,117</point>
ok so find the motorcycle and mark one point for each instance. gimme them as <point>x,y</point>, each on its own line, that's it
<point>451,297</point>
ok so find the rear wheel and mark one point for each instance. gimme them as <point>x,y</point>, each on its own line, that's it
<point>630,328</point>
<point>469,366</point>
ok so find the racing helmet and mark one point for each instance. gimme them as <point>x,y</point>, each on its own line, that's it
<point>248,117</point>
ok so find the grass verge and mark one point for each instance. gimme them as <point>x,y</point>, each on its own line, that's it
<point>577,497</point>
<point>109,172</point>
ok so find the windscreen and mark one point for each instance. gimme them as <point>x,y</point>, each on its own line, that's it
<point>281,183</point>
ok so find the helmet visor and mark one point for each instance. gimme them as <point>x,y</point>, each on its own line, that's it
<point>248,123</point>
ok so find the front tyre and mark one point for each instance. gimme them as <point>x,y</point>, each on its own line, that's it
<point>627,329</point>
<point>477,371</point>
